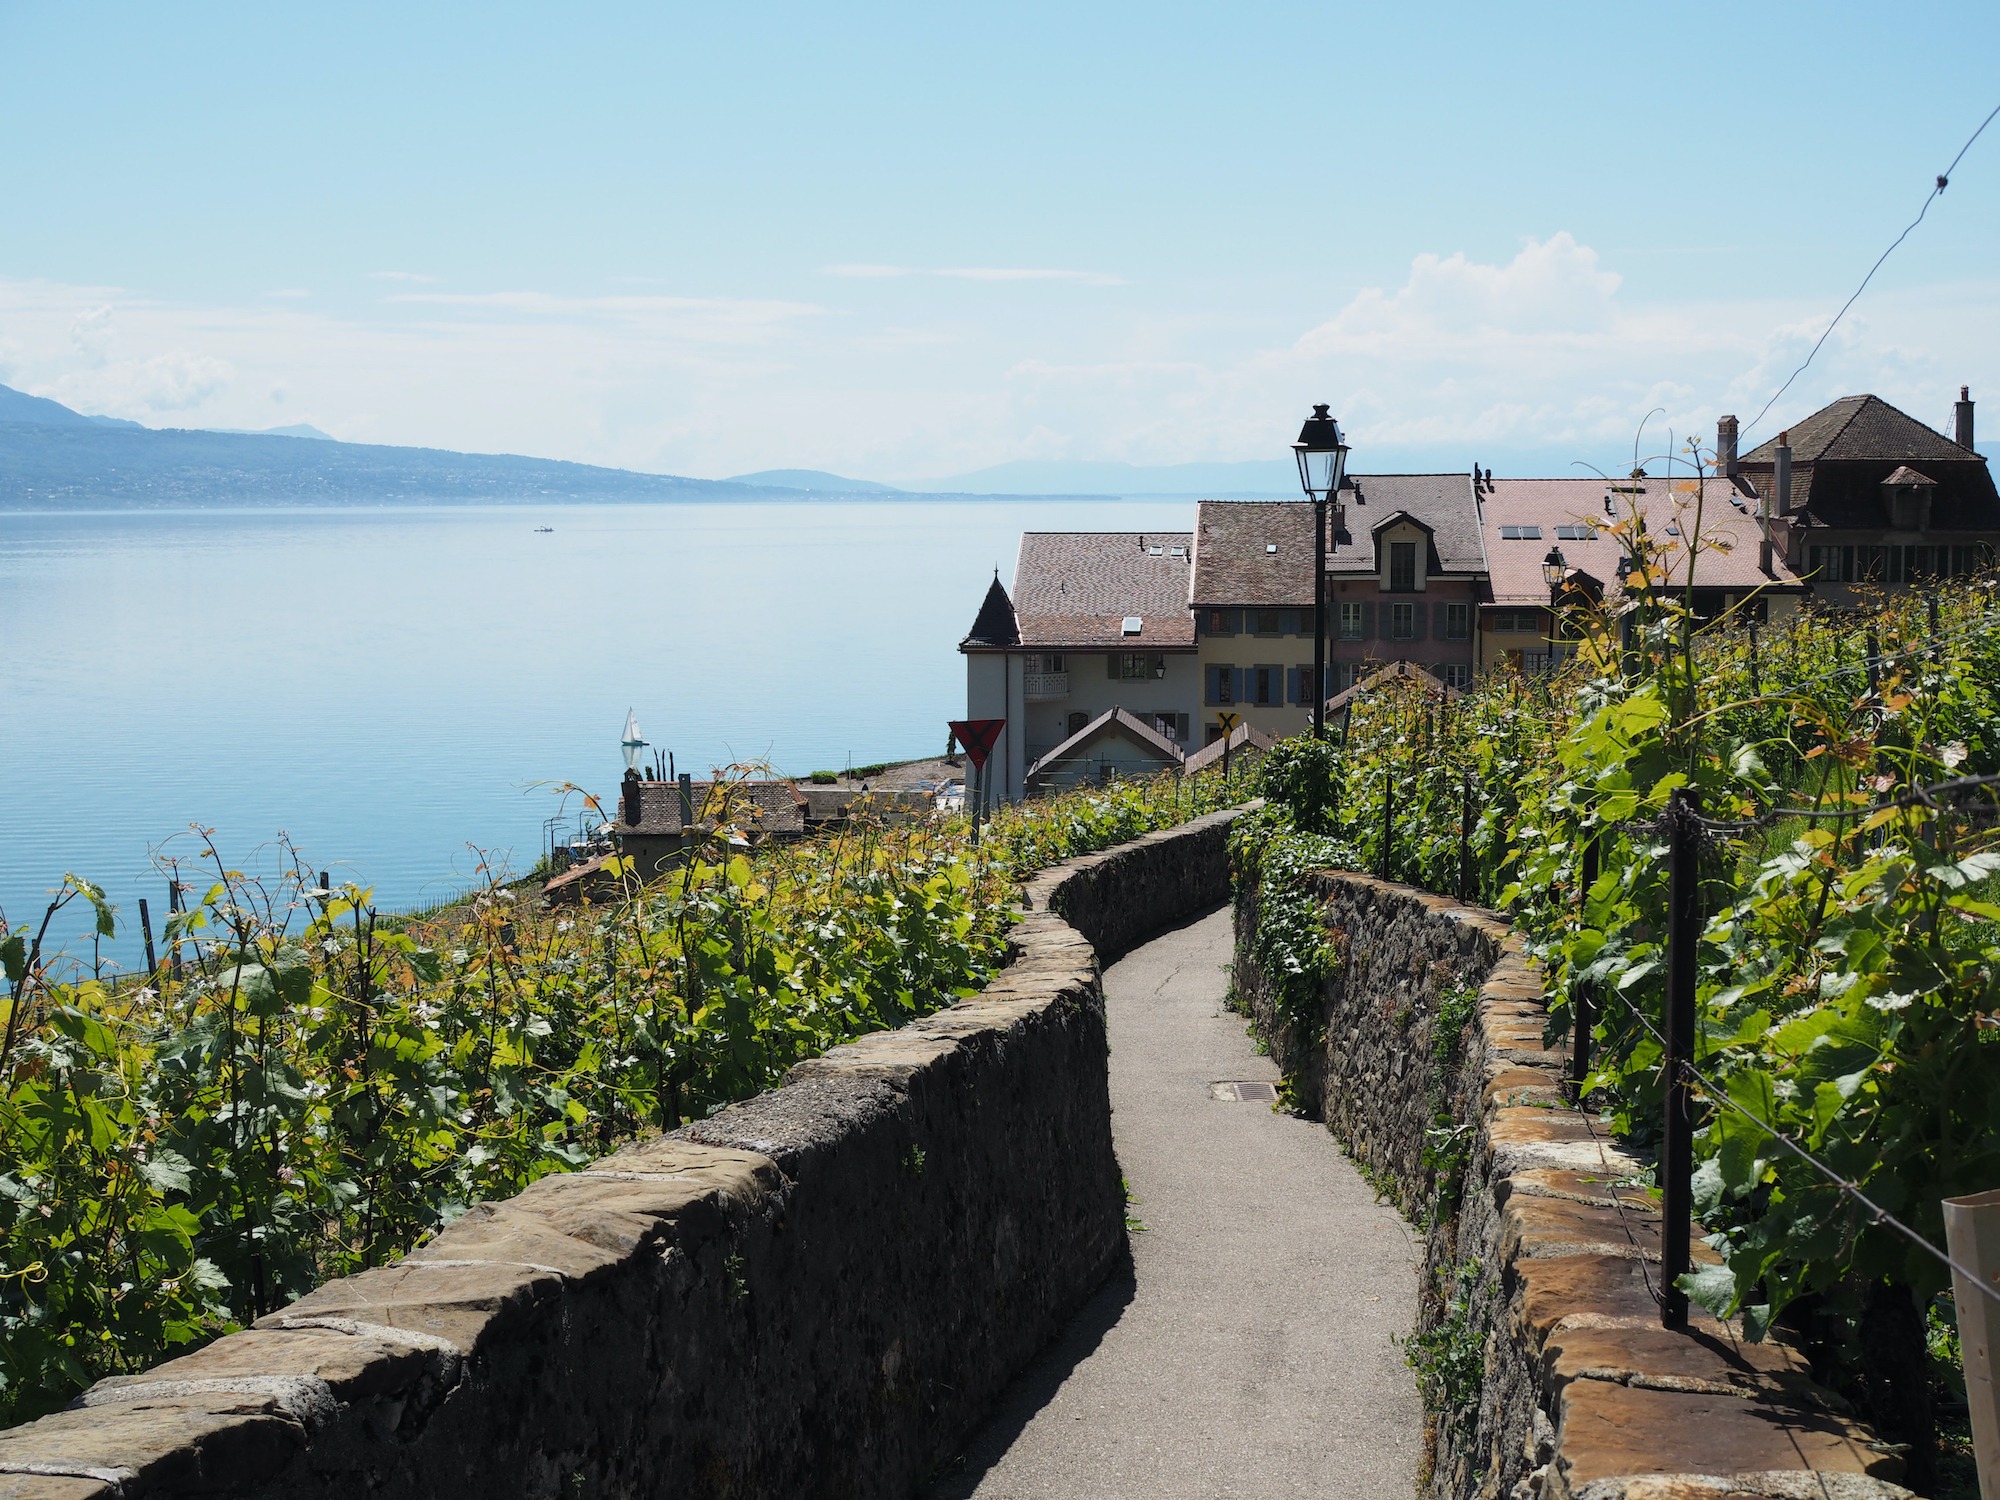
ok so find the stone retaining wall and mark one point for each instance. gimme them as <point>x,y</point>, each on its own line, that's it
<point>1549,1249</point>
<point>819,1291</point>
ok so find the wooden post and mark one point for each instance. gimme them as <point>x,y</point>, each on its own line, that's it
<point>1937,648</point>
<point>173,909</point>
<point>972,795</point>
<point>1583,1002</point>
<point>1388,822</point>
<point>1972,1235</point>
<point>1677,1146</point>
<point>1756,690</point>
<point>146,927</point>
<point>1465,841</point>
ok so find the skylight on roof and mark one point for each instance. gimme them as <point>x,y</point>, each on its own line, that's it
<point>1133,625</point>
<point>1574,533</point>
<point>1270,546</point>
<point>1520,533</point>
<point>1155,551</point>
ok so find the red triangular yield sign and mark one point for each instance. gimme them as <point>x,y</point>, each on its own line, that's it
<point>979,736</point>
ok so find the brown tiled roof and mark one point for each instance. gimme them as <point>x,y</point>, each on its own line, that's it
<point>1075,589</point>
<point>1442,502</point>
<point>1234,560</point>
<point>762,807</point>
<point>1858,428</point>
<point>1516,565</point>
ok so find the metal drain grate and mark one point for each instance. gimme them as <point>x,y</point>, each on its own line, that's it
<point>1245,1093</point>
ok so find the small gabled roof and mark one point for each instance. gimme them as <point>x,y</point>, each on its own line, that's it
<point>1859,428</point>
<point>1388,674</point>
<point>1244,739</point>
<point>996,625</point>
<point>1112,721</point>
<point>1908,475</point>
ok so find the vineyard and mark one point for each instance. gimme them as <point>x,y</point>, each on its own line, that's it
<point>305,1086</point>
<point>1848,959</point>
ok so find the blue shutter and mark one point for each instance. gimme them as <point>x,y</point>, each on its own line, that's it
<point>1211,688</point>
<point>1295,680</point>
<point>1242,683</point>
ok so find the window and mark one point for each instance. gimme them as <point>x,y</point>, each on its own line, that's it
<point>1219,621</point>
<point>1455,674</point>
<point>1573,533</point>
<point>1268,621</point>
<point>1352,623</point>
<point>1133,666</point>
<point>1044,662</point>
<point>1222,685</point>
<point>1402,622</point>
<point>1520,533</point>
<point>1077,721</point>
<point>1402,567</point>
<point>1171,726</point>
<point>1518,621</point>
<point>1266,684</point>
<point>1457,622</point>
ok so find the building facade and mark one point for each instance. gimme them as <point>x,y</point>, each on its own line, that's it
<point>1875,499</point>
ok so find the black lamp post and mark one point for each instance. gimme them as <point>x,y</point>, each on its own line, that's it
<point>1322,456</point>
<point>1555,567</point>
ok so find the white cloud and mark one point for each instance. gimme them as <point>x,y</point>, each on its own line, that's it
<point>400,276</point>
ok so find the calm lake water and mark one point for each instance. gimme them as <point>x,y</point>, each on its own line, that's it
<point>396,687</point>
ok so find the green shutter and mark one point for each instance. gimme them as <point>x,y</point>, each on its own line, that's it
<point>1111,666</point>
<point>1367,620</point>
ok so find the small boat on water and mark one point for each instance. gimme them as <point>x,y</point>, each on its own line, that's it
<point>544,528</point>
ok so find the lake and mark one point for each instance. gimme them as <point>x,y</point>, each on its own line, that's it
<point>396,688</point>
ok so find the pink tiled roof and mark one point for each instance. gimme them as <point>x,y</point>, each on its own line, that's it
<point>1076,589</point>
<point>1726,559</point>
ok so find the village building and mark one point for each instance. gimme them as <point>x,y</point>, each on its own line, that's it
<point>1096,621</point>
<point>654,824</point>
<point>1530,523</point>
<point>1874,498</point>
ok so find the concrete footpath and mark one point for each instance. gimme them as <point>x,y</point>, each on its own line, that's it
<point>1251,1349</point>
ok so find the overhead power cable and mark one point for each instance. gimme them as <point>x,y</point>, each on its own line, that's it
<point>1937,191</point>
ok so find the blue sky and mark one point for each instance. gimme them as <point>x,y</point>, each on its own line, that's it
<point>901,241</point>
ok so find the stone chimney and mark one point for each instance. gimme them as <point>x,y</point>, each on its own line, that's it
<point>1961,412</point>
<point>630,808</point>
<point>1781,478</point>
<point>1725,446</point>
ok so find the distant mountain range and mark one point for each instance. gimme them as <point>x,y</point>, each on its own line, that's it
<point>51,456</point>
<point>814,481</point>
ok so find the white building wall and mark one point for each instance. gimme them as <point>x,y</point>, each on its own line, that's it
<point>996,687</point>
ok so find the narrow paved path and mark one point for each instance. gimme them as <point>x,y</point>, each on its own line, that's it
<point>1252,1349</point>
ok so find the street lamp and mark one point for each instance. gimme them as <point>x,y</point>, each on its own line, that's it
<point>1322,456</point>
<point>1554,568</point>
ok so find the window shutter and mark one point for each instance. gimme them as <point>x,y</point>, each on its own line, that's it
<point>1294,686</point>
<point>1211,688</point>
<point>1181,724</point>
<point>1242,683</point>
<point>1417,630</point>
<point>1367,621</point>
<point>1111,666</point>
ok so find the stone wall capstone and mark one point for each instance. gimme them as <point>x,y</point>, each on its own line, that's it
<point>819,1291</point>
<point>1542,1260</point>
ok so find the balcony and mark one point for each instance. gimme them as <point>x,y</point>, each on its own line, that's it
<point>1045,687</point>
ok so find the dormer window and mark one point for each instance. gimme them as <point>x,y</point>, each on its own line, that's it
<point>1402,567</point>
<point>1906,498</point>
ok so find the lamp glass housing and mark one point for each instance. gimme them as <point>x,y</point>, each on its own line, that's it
<point>1322,455</point>
<point>1554,566</point>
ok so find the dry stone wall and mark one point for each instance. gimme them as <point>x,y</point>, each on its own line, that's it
<point>1542,1238</point>
<point>819,1291</point>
